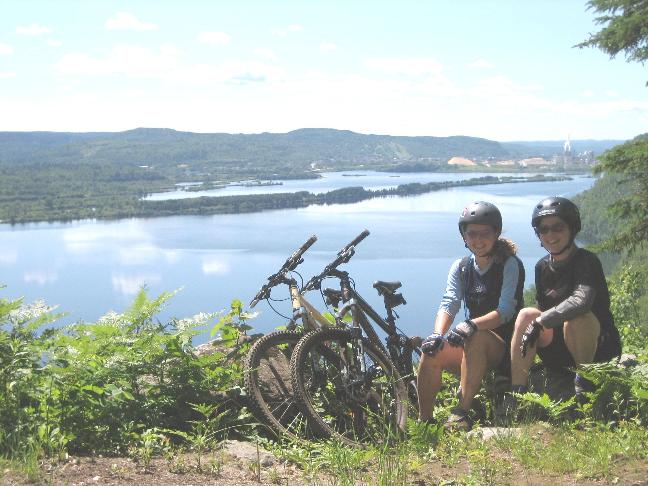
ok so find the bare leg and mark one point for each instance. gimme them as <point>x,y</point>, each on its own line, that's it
<point>520,365</point>
<point>482,352</point>
<point>581,337</point>
<point>429,376</point>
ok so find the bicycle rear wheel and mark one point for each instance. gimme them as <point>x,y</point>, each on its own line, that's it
<point>269,387</point>
<point>348,387</point>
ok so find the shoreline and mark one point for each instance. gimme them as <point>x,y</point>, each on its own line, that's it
<point>237,204</point>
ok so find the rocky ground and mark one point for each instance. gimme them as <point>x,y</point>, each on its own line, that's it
<point>241,464</point>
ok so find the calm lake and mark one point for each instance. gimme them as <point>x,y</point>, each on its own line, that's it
<point>88,268</point>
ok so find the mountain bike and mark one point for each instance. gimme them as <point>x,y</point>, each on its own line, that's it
<point>352,386</point>
<point>267,365</point>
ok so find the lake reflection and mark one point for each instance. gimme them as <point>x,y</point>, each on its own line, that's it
<point>92,267</point>
<point>328,181</point>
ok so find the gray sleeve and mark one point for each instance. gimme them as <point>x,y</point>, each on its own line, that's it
<point>451,300</point>
<point>579,302</point>
<point>507,301</point>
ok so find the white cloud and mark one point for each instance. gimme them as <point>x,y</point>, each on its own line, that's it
<point>171,256</point>
<point>214,38</point>
<point>130,60</point>
<point>291,28</point>
<point>145,254</point>
<point>265,53</point>
<point>432,103</point>
<point>327,47</point>
<point>33,29</point>
<point>54,43</point>
<point>411,66</point>
<point>131,284</point>
<point>8,256</point>
<point>480,64</point>
<point>214,266</point>
<point>5,49</point>
<point>138,255</point>
<point>612,93</point>
<point>92,236</point>
<point>127,21</point>
<point>40,277</point>
<point>142,62</point>
<point>588,93</point>
<point>7,75</point>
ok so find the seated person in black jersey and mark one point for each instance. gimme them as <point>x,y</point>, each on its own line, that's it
<point>573,324</point>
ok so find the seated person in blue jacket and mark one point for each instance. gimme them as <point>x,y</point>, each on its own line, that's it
<point>490,284</point>
<point>573,324</point>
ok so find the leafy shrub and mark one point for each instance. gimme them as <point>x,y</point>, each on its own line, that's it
<point>626,288</point>
<point>621,393</point>
<point>98,387</point>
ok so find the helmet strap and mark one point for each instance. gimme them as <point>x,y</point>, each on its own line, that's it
<point>558,253</point>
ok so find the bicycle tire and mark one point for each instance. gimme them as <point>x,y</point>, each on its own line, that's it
<point>342,401</point>
<point>267,381</point>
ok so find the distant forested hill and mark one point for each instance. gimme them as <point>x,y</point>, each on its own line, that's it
<point>49,175</point>
<point>549,148</point>
<point>253,153</point>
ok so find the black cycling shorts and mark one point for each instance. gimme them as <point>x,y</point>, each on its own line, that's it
<point>556,355</point>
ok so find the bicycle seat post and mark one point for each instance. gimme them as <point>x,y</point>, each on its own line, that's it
<point>391,319</point>
<point>345,284</point>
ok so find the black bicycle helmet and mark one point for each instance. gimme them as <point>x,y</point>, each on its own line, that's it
<point>480,212</point>
<point>557,206</point>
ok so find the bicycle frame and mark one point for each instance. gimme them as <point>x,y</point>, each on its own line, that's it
<point>302,310</point>
<point>399,347</point>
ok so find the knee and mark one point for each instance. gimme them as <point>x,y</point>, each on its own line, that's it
<point>525,316</point>
<point>429,363</point>
<point>476,343</point>
<point>584,323</point>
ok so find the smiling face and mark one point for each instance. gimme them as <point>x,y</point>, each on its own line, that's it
<point>480,239</point>
<point>554,235</point>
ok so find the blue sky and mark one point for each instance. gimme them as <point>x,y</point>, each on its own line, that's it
<point>503,70</point>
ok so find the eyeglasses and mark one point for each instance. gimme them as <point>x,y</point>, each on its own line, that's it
<point>483,234</point>
<point>554,228</point>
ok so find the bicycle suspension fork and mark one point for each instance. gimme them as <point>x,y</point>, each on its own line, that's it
<point>350,306</point>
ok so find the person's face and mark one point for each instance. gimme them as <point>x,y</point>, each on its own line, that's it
<point>480,238</point>
<point>554,233</point>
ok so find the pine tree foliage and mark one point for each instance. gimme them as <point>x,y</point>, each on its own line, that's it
<point>629,160</point>
<point>625,28</point>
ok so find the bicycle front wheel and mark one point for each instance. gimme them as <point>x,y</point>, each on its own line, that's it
<point>348,387</point>
<point>269,387</point>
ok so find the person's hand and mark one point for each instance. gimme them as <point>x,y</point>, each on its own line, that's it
<point>530,336</point>
<point>460,334</point>
<point>432,344</point>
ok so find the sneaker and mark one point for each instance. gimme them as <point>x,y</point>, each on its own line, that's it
<point>582,386</point>
<point>431,422</point>
<point>458,420</point>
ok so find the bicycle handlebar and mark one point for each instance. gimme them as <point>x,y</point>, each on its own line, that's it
<point>343,256</point>
<point>290,264</point>
<point>354,242</point>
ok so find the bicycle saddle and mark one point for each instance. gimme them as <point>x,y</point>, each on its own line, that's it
<point>388,287</point>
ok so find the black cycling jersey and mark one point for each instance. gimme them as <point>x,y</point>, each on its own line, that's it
<point>557,281</point>
<point>482,292</point>
<point>575,286</point>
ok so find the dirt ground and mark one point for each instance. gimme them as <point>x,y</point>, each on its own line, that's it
<point>239,464</point>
